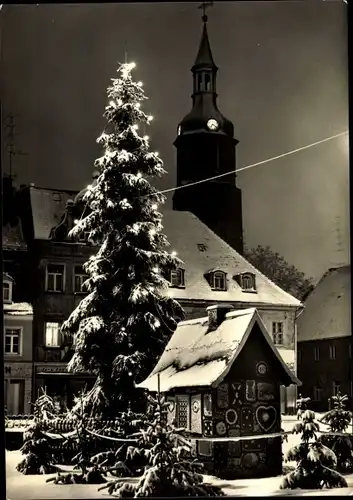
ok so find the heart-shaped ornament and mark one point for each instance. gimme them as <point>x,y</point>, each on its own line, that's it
<point>266,417</point>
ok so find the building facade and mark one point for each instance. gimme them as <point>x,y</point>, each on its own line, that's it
<point>212,272</point>
<point>325,340</point>
<point>18,312</point>
<point>18,343</point>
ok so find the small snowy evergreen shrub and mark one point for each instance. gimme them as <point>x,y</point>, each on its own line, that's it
<point>314,460</point>
<point>37,447</point>
<point>338,419</point>
<point>171,470</point>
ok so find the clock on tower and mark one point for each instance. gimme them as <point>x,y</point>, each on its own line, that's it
<point>205,146</point>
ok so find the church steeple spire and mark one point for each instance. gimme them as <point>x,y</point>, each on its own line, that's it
<point>205,150</point>
<point>204,69</point>
<point>204,57</point>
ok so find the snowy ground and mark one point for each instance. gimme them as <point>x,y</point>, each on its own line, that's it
<point>20,487</point>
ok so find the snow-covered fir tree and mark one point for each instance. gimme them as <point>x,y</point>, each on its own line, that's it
<point>121,327</point>
<point>314,460</point>
<point>339,419</point>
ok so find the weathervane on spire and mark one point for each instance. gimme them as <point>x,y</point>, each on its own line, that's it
<point>204,6</point>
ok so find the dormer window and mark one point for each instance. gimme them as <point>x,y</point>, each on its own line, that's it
<point>217,280</point>
<point>246,281</point>
<point>177,278</point>
<point>7,291</point>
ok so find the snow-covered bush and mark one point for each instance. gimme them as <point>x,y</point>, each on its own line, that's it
<point>314,460</point>
<point>171,470</point>
<point>38,447</point>
<point>338,419</point>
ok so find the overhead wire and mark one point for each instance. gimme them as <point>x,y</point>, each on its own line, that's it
<point>273,158</point>
<point>242,169</point>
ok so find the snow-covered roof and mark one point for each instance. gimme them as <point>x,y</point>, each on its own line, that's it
<point>196,245</point>
<point>18,309</point>
<point>186,233</point>
<point>196,357</point>
<point>327,312</point>
<point>48,207</point>
<point>12,237</point>
<point>7,277</point>
<point>288,356</point>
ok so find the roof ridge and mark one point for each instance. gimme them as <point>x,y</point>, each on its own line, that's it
<point>39,188</point>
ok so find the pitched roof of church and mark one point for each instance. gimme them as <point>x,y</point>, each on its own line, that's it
<point>197,246</point>
<point>327,312</point>
<point>195,356</point>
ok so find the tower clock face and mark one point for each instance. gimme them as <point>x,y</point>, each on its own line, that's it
<point>212,124</point>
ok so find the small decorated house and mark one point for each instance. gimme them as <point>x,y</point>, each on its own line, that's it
<point>222,376</point>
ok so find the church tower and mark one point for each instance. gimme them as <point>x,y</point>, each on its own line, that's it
<point>205,146</point>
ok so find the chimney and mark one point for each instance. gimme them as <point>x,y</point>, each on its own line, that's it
<point>216,315</point>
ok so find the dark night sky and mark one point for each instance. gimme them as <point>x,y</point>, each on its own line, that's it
<point>282,81</point>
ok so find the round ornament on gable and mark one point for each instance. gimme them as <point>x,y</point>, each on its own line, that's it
<point>261,368</point>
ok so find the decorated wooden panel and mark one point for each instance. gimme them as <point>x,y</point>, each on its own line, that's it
<point>220,428</point>
<point>205,448</point>
<point>250,390</point>
<point>232,418</point>
<point>208,427</point>
<point>266,417</point>
<point>171,410</point>
<point>223,396</point>
<point>236,394</point>
<point>183,411</point>
<point>207,405</point>
<point>254,445</point>
<point>266,391</point>
<point>196,416</point>
<point>247,420</point>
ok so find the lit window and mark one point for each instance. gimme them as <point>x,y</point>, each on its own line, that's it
<point>13,341</point>
<point>80,278</point>
<point>7,291</point>
<point>332,352</point>
<point>219,281</point>
<point>317,353</point>
<point>52,334</point>
<point>277,332</point>
<point>177,278</point>
<point>335,388</point>
<point>318,393</point>
<point>55,277</point>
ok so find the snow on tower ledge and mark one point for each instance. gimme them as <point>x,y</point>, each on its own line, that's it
<point>197,356</point>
